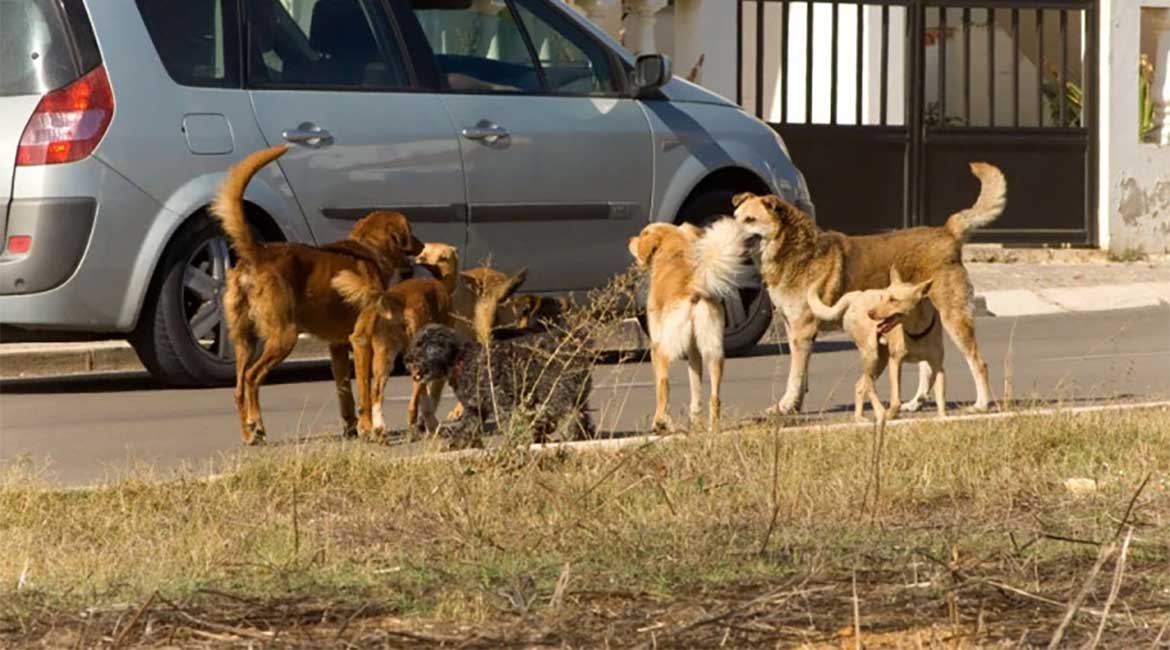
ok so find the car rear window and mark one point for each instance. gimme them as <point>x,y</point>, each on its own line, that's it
<point>41,48</point>
<point>197,40</point>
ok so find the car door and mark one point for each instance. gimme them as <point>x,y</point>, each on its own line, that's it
<point>330,77</point>
<point>558,161</point>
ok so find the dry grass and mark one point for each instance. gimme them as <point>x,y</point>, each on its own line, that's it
<point>746,538</point>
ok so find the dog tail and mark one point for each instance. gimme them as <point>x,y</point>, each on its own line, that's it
<point>824,312</point>
<point>228,206</point>
<point>359,292</point>
<point>721,260</point>
<point>989,205</point>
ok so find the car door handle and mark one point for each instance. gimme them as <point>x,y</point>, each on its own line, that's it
<point>308,134</point>
<point>484,130</point>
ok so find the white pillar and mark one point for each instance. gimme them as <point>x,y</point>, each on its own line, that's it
<point>706,28</point>
<point>603,13</point>
<point>1160,88</point>
<point>643,17</point>
<point>487,42</point>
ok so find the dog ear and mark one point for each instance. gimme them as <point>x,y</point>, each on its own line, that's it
<point>775,203</point>
<point>923,288</point>
<point>645,245</point>
<point>741,197</point>
<point>895,277</point>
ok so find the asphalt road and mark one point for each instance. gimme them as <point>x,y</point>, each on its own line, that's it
<point>82,430</point>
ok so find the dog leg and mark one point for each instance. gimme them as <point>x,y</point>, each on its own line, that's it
<point>923,392</point>
<point>277,347</point>
<point>940,399</point>
<point>962,331</point>
<point>339,361</point>
<point>661,389</point>
<point>434,394</point>
<point>384,355</point>
<point>243,333</point>
<point>245,346</point>
<point>959,323</point>
<point>695,374</point>
<point>417,397</point>
<point>363,359</point>
<point>873,362</point>
<point>800,341</point>
<point>895,388</point>
<point>715,367</point>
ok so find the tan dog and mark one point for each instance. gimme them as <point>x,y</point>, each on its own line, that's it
<point>477,295</point>
<point>275,291</point>
<point>388,323</point>
<point>691,271</point>
<point>895,324</point>
<point>793,255</point>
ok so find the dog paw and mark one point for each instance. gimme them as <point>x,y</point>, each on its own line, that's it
<point>662,426</point>
<point>784,407</point>
<point>912,406</point>
<point>349,430</point>
<point>254,434</point>
<point>976,408</point>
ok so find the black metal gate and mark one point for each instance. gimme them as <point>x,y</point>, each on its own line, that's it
<point>882,104</point>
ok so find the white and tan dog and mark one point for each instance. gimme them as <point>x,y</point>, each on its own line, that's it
<point>691,271</point>
<point>896,324</point>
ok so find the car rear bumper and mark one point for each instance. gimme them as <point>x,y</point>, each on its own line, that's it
<point>58,230</point>
<point>88,225</point>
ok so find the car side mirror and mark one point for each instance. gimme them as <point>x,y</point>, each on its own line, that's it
<point>651,72</point>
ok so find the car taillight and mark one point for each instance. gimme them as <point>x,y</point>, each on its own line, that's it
<point>69,122</point>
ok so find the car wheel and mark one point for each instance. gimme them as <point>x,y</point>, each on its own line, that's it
<point>182,336</point>
<point>748,315</point>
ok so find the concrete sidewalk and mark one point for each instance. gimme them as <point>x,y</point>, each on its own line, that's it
<point>1007,283</point>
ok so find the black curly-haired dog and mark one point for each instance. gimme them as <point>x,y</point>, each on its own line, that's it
<point>539,382</point>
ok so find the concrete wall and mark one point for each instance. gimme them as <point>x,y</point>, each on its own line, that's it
<point>1134,206</point>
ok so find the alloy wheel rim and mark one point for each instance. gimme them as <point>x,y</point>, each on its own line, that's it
<point>204,279</point>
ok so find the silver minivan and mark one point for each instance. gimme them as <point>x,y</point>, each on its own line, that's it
<point>513,128</point>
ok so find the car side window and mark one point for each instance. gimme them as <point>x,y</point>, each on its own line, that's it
<point>327,44</point>
<point>196,40</point>
<point>573,63</point>
<point>478,46</point>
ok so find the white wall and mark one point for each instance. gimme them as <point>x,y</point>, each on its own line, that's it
<point>1134,179</point>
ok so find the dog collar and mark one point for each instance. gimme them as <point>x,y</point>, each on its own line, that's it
<point>933,320</point>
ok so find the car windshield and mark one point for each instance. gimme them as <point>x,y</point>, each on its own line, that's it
<point>35,50</point>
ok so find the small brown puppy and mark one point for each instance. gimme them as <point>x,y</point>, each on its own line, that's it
<point>275,291</point>
<point>895,325</point>
<point>476,294</point>
<point>388,322</point>
<point>793,255</point>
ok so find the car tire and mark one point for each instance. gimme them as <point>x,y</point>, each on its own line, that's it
<point>748,321</point>
<point>182,337</point>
